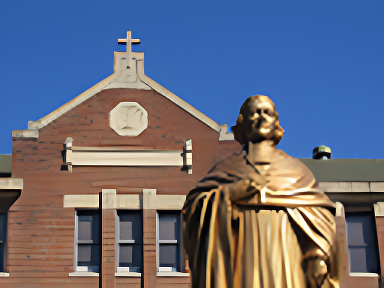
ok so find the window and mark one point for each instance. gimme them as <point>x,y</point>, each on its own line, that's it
<point>87,240</point>
<point>362,242</point>
<point>129,238</point>
<point>3,239</point>
<point>169,241</point>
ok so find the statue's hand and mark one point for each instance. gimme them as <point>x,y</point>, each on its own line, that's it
<point>241,189</point>
<point>316,271</point>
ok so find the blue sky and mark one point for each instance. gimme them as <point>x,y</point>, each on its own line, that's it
<point>321,62</point>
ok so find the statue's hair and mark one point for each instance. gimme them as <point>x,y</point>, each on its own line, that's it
<point>237,130</point>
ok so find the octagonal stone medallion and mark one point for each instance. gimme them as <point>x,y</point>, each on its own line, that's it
<point>128,119</point>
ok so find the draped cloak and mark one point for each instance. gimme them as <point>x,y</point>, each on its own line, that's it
<point>261,239</point>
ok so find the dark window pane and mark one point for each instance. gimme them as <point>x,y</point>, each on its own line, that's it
<point>168,226</point>
<point>358,259</point>
<point>85,230</point>
<point>355,233</point>
<point>3,238</point>
<point>169,256</point>
<point>131,225</point>
<point>362,242</point>
<point>125,254</point>
<point>89,255</point>
<point>126,230</point>
<point>3,226</point>
<point>372,259</point>
<point>130,256</point>
<point>84,253</point>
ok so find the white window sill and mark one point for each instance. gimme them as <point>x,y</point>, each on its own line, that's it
<point>84,274</point>
<point>172,274</point>
<point>354,274</point>
<point>128,274</point>
<point>4,274</point>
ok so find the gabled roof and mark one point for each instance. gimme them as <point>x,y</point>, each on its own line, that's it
<point>346,170</point>
<point>128,73</point>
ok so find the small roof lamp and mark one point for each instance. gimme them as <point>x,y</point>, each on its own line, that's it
<point>322,152</point>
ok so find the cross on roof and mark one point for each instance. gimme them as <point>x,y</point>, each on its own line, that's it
<point>128,42</point>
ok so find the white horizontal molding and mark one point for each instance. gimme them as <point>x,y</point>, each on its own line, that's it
<point>129,201</point>
<point>161,202</point>
<point>356,274</point>
<point>29,133</point>
<point>378,208</point>
<point>148,199</point>
<point>172,274</point>
<point>84,274</point>
<point>9,183</point>
<point>81,201</point>
<point>127,274</point>
<point>355,187</point>
<point>125,158</point>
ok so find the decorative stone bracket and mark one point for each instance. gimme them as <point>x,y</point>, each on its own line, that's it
<point>122,156</point>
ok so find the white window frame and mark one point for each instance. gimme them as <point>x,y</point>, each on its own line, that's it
<point>352,212</point>
<point>80,270</point>
<point>179,241</point>
<point>124,271</point>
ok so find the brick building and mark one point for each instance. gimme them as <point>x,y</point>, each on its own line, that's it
<point>92,194</point>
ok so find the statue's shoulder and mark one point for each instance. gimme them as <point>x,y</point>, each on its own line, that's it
<point>284,160</point>
<point>237,158</point>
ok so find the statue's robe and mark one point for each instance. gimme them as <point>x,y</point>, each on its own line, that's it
<point>262,239</point>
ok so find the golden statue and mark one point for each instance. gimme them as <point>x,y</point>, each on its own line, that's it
<point>258,219</point>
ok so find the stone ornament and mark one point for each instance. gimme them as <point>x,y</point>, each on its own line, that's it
<point>128,119</point>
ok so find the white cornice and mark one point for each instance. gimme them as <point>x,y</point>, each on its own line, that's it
<point>11,183</point>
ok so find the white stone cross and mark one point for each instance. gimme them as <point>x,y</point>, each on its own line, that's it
<point>128,42</point>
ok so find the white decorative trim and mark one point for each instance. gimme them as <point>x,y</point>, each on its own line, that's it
<point>347,187</point>
<point>162,202</point>
<point>8,183</point>
<point>377,186</point>
<point>114,156</point>
<point>379,209</point>
<point>340,210</point>
<point>224,135</point>
<point>172,274</point>
<point>125,158</point>
<point>147,200</point>
<point>84,274</point>
<point>81,201</point>
<point>4,274</point>
<point>128,274</point>
<point>109,199</point>
<point>355,274</point>
<point>129,201</point>
<point>128,119</point>
<point>32,133</point>
<point>187,156</point>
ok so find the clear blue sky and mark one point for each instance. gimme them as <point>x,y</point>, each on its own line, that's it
<point>322,62</point>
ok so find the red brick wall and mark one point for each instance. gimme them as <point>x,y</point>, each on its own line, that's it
<point>41,231</point>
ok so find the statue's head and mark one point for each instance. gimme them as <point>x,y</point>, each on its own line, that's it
<point>258,121</point>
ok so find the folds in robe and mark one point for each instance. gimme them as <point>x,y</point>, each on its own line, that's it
<point>263,239</point>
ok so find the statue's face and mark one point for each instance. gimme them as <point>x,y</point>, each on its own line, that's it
<point>259,121</point>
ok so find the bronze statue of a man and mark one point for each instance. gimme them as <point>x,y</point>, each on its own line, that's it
<point>258,219</point>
